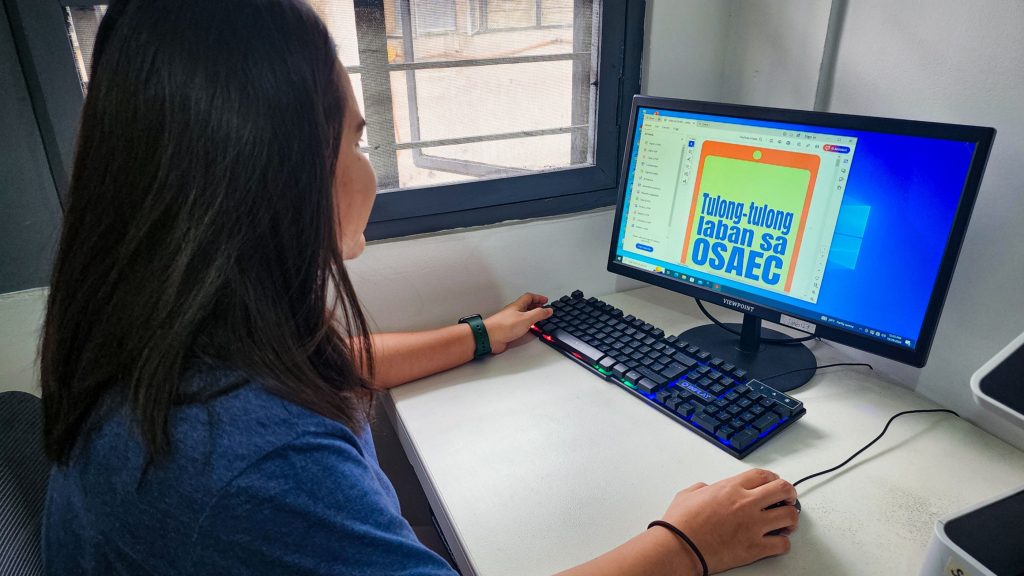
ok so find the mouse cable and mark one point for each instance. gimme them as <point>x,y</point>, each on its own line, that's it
<point>781,341</point>
<point>816,368</point>
<point>877,438</point>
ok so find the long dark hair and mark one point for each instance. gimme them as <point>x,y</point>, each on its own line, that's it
<point>201,224</point>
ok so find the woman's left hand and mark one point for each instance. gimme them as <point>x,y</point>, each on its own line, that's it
<point>514,320</point>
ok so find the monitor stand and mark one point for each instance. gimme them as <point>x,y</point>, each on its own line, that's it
<point>750,352</point>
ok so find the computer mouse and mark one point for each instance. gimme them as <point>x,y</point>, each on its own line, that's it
<point>776,505</point>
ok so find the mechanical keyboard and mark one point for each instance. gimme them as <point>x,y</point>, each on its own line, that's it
<point>717,400</point>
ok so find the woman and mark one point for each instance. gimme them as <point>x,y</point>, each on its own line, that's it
<point>206,369</point>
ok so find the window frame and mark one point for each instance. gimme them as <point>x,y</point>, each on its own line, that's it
<point>55,90</point>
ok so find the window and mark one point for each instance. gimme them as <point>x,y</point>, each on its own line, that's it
<point>477,110</point>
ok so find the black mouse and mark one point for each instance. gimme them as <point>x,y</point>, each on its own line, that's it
<point>776,505</point>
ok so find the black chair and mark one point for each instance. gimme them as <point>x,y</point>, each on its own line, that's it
<point>24,470</point>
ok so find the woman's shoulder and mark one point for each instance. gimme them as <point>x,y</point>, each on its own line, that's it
<point>225,421</point>
<point>247,420</point>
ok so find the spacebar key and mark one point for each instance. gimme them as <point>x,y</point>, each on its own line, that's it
<point>574,344</point>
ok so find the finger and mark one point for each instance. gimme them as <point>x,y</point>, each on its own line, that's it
<point>522,303</point>
<point>775,545</point>
<point>694,488</point>
<point>784,517</point>
<point>756,477</point>
<point>777,490</point>
<point>538,314</point>
<point>538,300</point>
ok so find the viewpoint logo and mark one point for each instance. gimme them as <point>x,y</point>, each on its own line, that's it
<point>736,304</point>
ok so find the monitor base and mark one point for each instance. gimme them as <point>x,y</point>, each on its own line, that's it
<point>767,359</point>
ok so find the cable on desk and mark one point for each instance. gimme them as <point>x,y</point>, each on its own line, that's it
<point>765,340</point>
<point>877,438</point>
<point>817,368</point>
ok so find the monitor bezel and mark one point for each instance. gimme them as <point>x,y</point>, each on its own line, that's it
<point>982,137</point>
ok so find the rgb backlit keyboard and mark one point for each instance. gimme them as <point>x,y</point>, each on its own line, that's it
<point>715,399</point>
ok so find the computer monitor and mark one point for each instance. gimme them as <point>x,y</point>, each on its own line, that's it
<point>844,227</point>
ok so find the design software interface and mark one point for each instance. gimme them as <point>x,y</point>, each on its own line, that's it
<point>840,226</point>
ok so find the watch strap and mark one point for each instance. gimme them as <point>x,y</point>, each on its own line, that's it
<point>483,342</point>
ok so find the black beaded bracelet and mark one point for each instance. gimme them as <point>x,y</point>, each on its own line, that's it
<point>678,532</point>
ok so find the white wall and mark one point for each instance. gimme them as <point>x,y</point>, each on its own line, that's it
<point>21,317</point>
<point>766,53</point>
<point>774,52</point>
<point>685,48</point>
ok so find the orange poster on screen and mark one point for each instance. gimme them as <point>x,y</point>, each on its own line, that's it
<point>748,213</point>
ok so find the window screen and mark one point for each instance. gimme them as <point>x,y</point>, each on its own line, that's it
<point>453,90</point>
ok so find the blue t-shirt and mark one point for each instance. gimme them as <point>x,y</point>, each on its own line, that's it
<point>253,485</point>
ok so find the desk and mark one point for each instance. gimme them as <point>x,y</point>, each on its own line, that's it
<point>532,464</point>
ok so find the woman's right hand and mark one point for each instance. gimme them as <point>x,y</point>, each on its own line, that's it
<point>728,522</point>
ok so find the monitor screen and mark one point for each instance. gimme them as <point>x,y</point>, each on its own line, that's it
<point>827,223</point>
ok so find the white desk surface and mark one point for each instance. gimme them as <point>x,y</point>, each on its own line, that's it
<point>533,465</point>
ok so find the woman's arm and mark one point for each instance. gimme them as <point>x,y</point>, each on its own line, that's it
<point>729,522</point>
<point>406,356</point>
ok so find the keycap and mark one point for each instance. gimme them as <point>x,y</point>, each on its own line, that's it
<point>632,376</point>
<point>782,410</point>
<point>588,352</point>
<point>607,362</point>
<point>743,439</point>
<point>765,422</point>
<point>673,371</point>
<point>740,374</point>
<point>716,362</point>
<point>620,369</point>
<point>707,422</point>
<point>577,294</point>
<point>647,385</point>
<point>684,359</point>
<point>686,409</point>
<point>652,375</point>
<point>703,355</point>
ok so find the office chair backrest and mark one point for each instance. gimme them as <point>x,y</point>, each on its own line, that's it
<point>23,473</point>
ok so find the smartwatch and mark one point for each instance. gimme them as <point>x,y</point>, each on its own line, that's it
<point>483,343</point>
